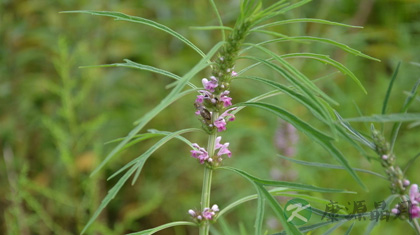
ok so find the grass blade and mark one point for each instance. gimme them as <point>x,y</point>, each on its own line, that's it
<point>329,166</point>
<point>111,194</point>
<point>349,230</point>
<point>328,60</point>
<point>222,28</point>
<point>278,211</point>
<point>408,101</point>
<point>136,19</point>
<point>305,20</point>
<point>281,191</point>
<point>288,117</point>
<point>219,18</point>
<point>134,65</point>
<point>388,92</point>
<point>318,39</point>
<point>286,184</point>
<point>355,134</point>
<point>393,117</point>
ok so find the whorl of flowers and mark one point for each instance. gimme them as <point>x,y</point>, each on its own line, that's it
<point>202,155</point>
<point>411,206</point>
<point>214,99</point>
<point>206,214</point>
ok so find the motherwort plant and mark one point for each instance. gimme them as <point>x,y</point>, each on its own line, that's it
<point>215,108</point>
<point>402,189</point>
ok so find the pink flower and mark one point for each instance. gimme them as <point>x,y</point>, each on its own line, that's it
<point>208,214</point>
<point>200,99</point>
<point>210,85</point>
<point>234,74</point>
<point>192,213</point>
<point>223,148</point>
<point>414,211</point>
<point>220,123</point>
<point>414,194</point>
<point>227,101</point>
<point>199,153</point>
<point>414,199</point>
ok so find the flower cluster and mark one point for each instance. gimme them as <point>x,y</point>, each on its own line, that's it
<point>206,214</point>
<point>214,99</point>
<point>411,206</point>
<point>202,155</point>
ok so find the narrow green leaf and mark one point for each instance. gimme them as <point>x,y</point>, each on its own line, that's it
<point>355,134</point>
<point>170,98</point>
<point>136,19</point>
<point>408,101</point>
<point>410,163</point>
<point>140,137</point>
<point>298,97</point>
<point>164,226</point>
<point>134,65</point>
<point>304,84</point>
<point>393,117</point>
<point>318,39</point>
<point>222,28</point>
<point>305,20</point>
<point>280,191</point>
<point>258,98</point>
<point>329,231</point>
<point>286,184</point>
<point>136,166</point>
<point>259,219</point>
<point>290,228</point>
<point>111,194</point>
<point>160,143</point>
<point>328,60</point>
<point>225,227</point>
<point>413,124</point>
<point>292,119</point>
<point>316,135</point>
<point>329,166</point>
<point>274,34</point>
<point>388,92</point>
<point>280,9</point>
<point>349,230</point>
<point>219,18</point>
<point>278,211</point>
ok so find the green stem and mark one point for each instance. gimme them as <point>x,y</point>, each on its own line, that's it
<point>416,225</point>
<point>208,172</point>
<point>205,198</point>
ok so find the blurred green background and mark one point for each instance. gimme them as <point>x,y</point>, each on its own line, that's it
<point>56,117</point>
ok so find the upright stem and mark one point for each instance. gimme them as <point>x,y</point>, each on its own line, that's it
<point>416,224</point>
<point>208,173</point>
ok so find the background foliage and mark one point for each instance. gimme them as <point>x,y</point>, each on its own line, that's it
<point>55,118</point>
